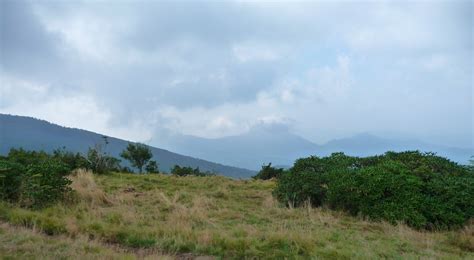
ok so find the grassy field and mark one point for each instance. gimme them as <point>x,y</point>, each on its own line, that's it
<point>152,216</point>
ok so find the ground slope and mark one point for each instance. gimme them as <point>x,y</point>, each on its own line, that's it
<point>216,216</point>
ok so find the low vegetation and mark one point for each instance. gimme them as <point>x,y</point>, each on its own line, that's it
<point>34,185</point>
<point>25,243</point>
<point>268,172</point>
<point>420,189</point>
<point>216,216</point>
<point>188,171</point>
<point>422,205</point>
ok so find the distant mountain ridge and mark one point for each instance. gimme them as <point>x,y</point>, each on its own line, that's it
<point>251,150</point>
<point>260,146</point>
<point>366,144</point>
<point>35,134</point>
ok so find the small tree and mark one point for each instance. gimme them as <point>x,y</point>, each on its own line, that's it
<point>152,167</point>
<point>137,154</point>
<point>99,161</point>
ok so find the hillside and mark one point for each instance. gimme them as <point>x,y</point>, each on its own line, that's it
<point>34,134</point>
<point>124,215</point>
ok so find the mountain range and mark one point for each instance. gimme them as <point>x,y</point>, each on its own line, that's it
<point>34,134</point>
<point>279,146</point>
<point>234,156</point>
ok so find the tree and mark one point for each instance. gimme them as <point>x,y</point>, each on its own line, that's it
<point>137,154</point>
<point>152,167</point>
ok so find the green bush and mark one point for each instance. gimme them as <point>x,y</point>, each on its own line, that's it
<point>185,171</point>
<point>33,179</point>
<point>100,162</point>
<point>387,191</point>
<point>44,183</point>
<point>268,172</point>
<point>296,188</point>
<point>308,179</point>
<point>11,175</point>
<point>448,200</point>
<point>26,158</point>
<point>152,167</point>
<point>72,160</point>
<point>420,189</point>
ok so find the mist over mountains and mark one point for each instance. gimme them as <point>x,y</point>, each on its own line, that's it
<point>260,145</point>
<point>263,144</point>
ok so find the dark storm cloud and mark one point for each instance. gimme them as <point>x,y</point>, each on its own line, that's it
<point>26,48</point>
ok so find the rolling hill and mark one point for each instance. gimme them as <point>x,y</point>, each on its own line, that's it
<point>34,134</point>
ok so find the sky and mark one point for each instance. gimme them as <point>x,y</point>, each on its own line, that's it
<point>321,69</point>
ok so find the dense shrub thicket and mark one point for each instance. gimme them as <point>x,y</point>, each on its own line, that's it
<point>420,189</point>
<point>34,181</point>
<point>268,172</point>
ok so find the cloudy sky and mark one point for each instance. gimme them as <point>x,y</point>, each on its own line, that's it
<point>134,69</point>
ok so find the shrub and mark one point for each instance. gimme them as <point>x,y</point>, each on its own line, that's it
<point>420,189</point>
<point>185,171</point>
<point>11,175</point>
<point>448,200</point>
<point>308,180</point>
<point>387,191</point>
<point>33,179</point>
<point>44,183</point>
<point>26,157</point>
<point>72,160</point>
<point>125,169</point>
<point>268,172</point>
<point>101,163</point>
<point>295,188</point>
<point>152,167</point>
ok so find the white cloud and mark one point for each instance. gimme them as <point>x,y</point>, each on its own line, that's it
<point>248,52</point>
<point>67,109</point>
<point>218,71</point>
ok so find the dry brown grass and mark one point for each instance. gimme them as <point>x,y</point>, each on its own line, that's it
<point>231,219</point>
<point>464,239</point>
<point>84,185</point>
